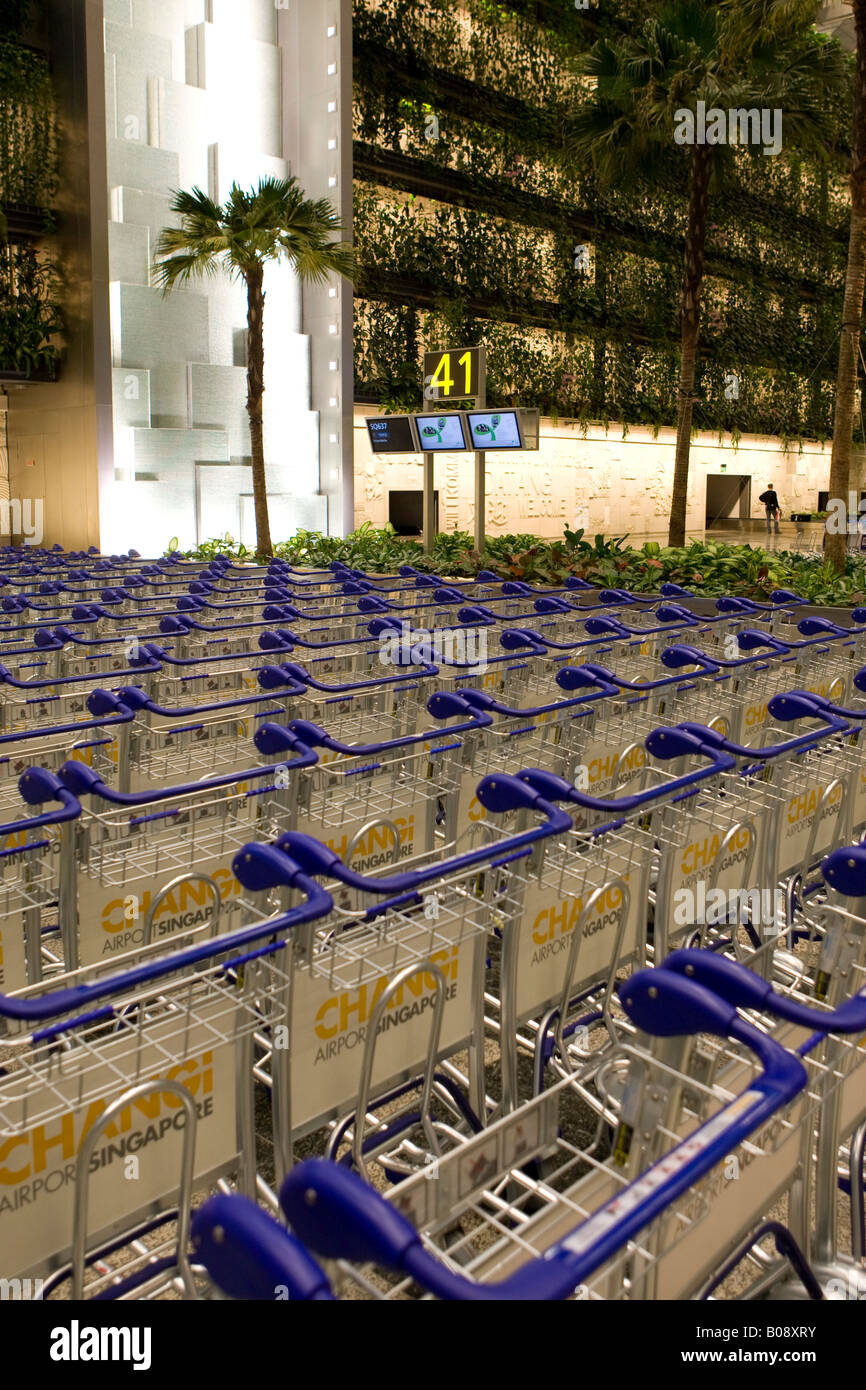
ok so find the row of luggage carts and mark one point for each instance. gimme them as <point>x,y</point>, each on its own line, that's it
<point>382,937</point>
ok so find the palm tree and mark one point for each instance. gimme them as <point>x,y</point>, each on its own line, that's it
<point>274,222</point>
<point>736,54</point>
<point>852,310</point>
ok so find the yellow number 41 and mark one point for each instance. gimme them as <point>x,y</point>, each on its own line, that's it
<point>442,379</point>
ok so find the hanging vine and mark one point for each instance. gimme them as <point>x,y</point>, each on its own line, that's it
<point>28,128</point>
<point>468,214</point>
<point>30,316</point>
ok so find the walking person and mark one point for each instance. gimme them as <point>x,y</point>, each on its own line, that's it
<point>770,500</point>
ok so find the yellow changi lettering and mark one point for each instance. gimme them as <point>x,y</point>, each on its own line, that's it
<point>67,1135</point>
<point>563,918</point>
<point>10,1176</point>
<point>805,805</point>
<point>320,1029</point>
<point>353,1008</point>
<point>347,1008</point>
<point>702,853</point>
<point>756,714</point>
<point>193,894</point>
<point>44,1141</point>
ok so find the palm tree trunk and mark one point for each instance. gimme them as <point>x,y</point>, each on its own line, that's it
<point>852,311</point>
<point>690,317</point>
<point>255,392</point>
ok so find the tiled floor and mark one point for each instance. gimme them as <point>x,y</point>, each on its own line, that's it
<point>791,537</point>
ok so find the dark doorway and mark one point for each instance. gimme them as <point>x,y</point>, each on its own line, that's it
<point>406,512</point>
<point>824,498</point>
<point>729,497</point>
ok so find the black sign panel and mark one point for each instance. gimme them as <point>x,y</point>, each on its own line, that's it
<point>454,374</point>
<point>392,434</point>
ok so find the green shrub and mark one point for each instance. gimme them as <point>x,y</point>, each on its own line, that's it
<point>705,567</point>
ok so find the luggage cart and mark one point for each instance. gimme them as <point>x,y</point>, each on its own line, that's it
<point>155,863</point>
<point>154,1062</point>
<point>391,987</point>
<point>522,1212</point>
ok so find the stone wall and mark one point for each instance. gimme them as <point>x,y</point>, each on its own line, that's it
<point>602,482</point>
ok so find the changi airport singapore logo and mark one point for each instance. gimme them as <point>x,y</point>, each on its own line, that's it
<point>741,126</point>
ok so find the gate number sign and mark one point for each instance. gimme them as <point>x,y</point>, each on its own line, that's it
<point>453,375</point>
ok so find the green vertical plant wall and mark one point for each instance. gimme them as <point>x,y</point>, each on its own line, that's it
<point>28,128</point>
<point>30,316</point>
<point>472,225</point>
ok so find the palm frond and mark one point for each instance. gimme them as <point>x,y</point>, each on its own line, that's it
<point>737,53</point>
<point>273,221</point>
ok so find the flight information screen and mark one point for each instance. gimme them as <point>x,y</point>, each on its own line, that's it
<point>392,434</point>
<point>438,433</point>
<point>495,429</point>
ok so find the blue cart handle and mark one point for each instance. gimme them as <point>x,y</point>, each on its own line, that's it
<point>282,639</point>
<point>670,615</point>
<point>135,664</point>
<point>260,866</point>
<point>728,604</point>
<point>57,1003</point>
<point>825,633</point>
<point>785,708</point>
<point>514,638</point>
<point>483,616</point>
<point>567,678</point>
<point>661,743</point>
<point>844,870</point>
<point>271,739</point>
<point>85,782</point>
<point>590,678</point>
<point>822,706</point>
<point>38,787</point>
<point>606,627</point>
<point>159,654</point>
<point>248,1254</point>
<point>683,654</point>
<point>740,986</point>
<point>120,714</point>
<point>276,677</point>
<point>394,625</point>
<point>813,627</point>
<point>172,623</point>
<point>334,1212</point>
<point>101,701</point>
<point>477,615</point>
<point>44,640</point>
<point>65,635</point>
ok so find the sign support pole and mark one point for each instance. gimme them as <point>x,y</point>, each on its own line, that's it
<point>428,504</point>
<point>480,466</point>
<point>474,362</point>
